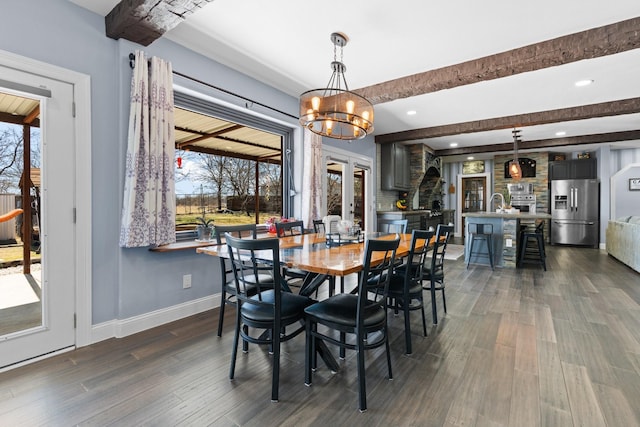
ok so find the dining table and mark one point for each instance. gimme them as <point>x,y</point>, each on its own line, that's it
<point>324,257</point>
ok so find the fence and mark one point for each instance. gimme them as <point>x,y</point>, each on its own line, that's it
<point>7,228</point>
<point>195,203</point>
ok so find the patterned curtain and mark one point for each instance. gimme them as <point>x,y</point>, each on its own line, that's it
<point>149,205</point>
<point>312,178</point>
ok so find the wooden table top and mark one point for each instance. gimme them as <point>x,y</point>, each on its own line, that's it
<point>309,252</point>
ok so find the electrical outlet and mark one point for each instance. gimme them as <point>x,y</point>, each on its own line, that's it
<point>186,281</point>
<point>509,243</point>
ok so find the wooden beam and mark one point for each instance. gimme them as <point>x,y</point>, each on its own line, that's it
<point>603,109</point>
<point>589,44</point>
<point>198,149</point>
<point>17,120</point>
<point>544,143</point>
<point>144,21</point>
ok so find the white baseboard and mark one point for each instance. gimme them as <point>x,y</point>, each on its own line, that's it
<point>121,328</point>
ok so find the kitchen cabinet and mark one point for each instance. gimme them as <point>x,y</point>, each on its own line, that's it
<point>574,169</point>
<point>448,216</point>
<point>395,171</point>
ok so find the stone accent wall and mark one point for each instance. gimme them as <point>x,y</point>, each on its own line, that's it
<point>509,252</point>
<point>419,158</point>
<point>540,182</point>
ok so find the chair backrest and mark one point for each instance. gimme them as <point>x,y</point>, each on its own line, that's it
<point>318,226</point>
<point>417,255</point>
<point>379,259</point>
<point>480,228</point>
<point>443,234</point>
<point>393,225</point>
<point>239,231</point>
<point>247,260</point>
<point>331,223</point>
<point>290,228</point>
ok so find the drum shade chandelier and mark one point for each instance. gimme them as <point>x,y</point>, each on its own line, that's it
<point>336,112</point>
<point>514,167</point>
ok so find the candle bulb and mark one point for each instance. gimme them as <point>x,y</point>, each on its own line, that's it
<point>315,103</point>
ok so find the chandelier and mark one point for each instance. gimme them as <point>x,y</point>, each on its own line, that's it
<point>336,112</point>
<point>514,167</point>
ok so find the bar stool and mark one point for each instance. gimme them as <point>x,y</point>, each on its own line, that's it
<point>532,246</point>
<point>481,232</point>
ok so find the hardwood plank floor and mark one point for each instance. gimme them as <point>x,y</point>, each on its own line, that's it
<point>517,348</point>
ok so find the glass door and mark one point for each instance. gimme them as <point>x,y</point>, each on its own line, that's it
<point>347,186</point>
<point>37,305</point>
<point>473,196</point>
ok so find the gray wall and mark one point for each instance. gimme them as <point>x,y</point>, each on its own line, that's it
<point>128,282</point>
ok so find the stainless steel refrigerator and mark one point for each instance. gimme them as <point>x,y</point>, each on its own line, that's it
<point>575,212</point>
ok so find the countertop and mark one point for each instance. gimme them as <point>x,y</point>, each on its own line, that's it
<point>412,212</point>
<point>520,215</point>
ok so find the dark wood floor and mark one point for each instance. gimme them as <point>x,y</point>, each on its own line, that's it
<point>517,348</point>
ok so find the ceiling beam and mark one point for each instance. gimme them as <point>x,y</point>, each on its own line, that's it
<point>603,109</point>
<point>544,143</point>
<point>589,44</point>
<point>144,21</point>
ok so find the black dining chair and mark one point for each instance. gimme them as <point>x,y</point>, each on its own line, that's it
<point>291,228</point>
<point>318,226</point>
<point>393,225</point>
<point>262,317</point>
<point>228,294</point>
<point>405,286</point>
<point>363,315</point>
<point>433,276</point>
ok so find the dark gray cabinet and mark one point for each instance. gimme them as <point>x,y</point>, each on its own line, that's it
<point>448,216</point>
<point>574,169</point>
<point>395,171</point>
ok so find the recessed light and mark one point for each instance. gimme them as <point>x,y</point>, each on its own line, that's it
<point>453,144</point>
<point>581,83</point>
<point>470,158</point>
<point>561,133</point>
<point>411,113</point>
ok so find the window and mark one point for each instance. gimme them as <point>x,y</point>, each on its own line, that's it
<point>229,165</point>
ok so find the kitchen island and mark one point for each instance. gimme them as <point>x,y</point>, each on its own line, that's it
<point>420,219</point>
<point>505,235</point>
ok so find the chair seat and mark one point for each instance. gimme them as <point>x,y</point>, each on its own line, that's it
<point>291,307</point>
<point>437,276</point>
<point>341,310</point>
<point>396,286</point>
<point>265,280</point>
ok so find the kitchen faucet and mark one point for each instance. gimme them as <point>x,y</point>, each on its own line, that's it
<point>497,194</point>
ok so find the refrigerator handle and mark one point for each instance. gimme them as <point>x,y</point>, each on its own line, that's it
<point>575,199</point>
<point>571,200</point>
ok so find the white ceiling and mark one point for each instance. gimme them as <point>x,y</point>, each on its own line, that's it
<point>285,43</point>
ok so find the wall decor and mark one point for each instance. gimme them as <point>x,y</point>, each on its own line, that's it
<point>474,166</point>
<point>634,184</point>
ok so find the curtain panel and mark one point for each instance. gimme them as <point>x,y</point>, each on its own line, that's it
<point>149,204</point>
<point>312,178</point>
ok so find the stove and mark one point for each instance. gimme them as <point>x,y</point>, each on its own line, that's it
<point>525,202</point>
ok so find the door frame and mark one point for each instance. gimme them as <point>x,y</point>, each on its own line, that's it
<point>82,128</point>
<point>460,202</point>
<point>350,159</point>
